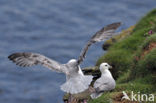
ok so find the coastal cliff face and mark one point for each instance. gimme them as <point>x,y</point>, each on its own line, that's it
<point>132,54</point>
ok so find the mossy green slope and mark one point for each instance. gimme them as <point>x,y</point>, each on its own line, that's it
<point>134,61</point>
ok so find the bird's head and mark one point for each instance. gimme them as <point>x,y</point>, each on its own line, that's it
<point>72,62</point>
<point>104,66</point>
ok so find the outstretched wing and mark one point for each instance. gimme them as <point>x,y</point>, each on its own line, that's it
<point>101,35</point>
<point>26,59</point>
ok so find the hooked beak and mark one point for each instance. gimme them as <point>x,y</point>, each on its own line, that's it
<point>110,67</point>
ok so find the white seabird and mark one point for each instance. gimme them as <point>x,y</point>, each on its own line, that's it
<point>105,83</point>
<point>76,81</point>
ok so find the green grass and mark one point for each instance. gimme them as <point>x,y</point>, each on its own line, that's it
<point>146,64</point>
<point>121,54</point>
<point>124,78</point>
<point>109,97</point>
<point>119,37</point>
<point>103,99</point>
<point>132,68</point>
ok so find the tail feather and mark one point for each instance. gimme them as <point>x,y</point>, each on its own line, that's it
<point>95,95</point>
<point>77,85</point>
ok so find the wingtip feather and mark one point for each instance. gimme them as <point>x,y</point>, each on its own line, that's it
<point>14,55</point>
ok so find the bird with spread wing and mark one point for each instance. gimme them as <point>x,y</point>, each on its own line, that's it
<point>76,81</point>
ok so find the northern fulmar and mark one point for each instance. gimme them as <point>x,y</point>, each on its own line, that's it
<point>105,83</point>
<point>76,81</point>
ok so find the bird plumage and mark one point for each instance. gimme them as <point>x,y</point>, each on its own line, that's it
<point>76,81</point>
<point>103,34</point>
<point>105,83</point>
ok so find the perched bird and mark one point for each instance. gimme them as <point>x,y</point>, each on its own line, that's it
<point>76,81</point>
<point>105,83</point>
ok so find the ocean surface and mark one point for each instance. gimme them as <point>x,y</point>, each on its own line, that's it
<point>58,29</point>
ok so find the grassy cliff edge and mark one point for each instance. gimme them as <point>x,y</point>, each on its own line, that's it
<point>133,57</point>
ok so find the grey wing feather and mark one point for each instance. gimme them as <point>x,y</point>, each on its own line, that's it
<point>101,35</point>
<point>104,84</point>
<point>99,82</point>
<point>102,88</point>
<point>26,59</point>
<point>84,51</point>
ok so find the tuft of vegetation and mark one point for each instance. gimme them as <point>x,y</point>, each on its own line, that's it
<point>118,37</point>
<point>133,58</point>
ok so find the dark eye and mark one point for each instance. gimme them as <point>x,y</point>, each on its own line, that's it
<point>106,65</point>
